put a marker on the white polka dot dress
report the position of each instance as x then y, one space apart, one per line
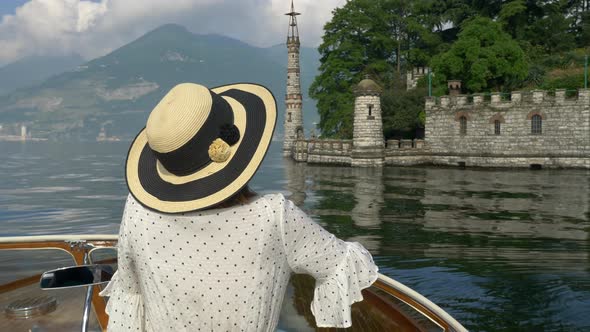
228 269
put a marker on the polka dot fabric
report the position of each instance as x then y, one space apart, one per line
228 269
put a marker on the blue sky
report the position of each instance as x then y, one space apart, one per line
95 28
8 6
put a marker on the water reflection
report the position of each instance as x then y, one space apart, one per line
521 204
514 244
368 195
321 190
500 250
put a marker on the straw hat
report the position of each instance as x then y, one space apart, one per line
200 146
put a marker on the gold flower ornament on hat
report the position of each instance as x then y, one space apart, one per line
219 151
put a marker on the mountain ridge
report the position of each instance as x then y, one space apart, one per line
34 69
117 91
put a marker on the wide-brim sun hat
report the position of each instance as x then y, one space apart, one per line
200 146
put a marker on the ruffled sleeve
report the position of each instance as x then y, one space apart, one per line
341 269
125 304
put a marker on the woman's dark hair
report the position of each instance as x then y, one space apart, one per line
241 197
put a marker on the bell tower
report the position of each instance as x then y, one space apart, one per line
293 101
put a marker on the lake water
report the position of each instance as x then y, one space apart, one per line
498 249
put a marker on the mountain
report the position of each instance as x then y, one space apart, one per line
117 91
34 69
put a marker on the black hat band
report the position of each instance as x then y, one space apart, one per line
193 155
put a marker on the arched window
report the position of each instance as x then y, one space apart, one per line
463 125
497 128
497 120
536 124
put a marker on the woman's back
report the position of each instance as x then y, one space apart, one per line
228 269
219 269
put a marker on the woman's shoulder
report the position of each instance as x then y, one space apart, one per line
134 211
275 200
274 197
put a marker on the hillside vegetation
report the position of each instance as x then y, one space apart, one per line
489 45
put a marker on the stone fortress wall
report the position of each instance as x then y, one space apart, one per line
499 132
403 152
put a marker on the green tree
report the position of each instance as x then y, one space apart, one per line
579 13
351 45
483 57
377 37
402 112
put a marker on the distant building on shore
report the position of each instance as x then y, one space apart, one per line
102 137
17 133
23 132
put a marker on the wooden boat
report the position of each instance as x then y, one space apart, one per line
387 306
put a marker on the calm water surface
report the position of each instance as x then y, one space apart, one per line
499 250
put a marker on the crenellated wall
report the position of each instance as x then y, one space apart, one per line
340 152
564 140
413 76
323 151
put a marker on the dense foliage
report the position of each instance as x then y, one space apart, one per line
495 45
483 57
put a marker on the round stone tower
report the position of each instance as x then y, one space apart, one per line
293 124
368 142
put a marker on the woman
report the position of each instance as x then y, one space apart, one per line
196 250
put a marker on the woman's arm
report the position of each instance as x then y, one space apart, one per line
125 305
341 269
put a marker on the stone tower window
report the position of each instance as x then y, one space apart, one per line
536 124
289 117
370 116
463 125
497 125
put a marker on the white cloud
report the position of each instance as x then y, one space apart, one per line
93 28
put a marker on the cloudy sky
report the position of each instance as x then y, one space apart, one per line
93 28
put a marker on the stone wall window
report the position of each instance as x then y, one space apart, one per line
289 117
497 120
463 125
536 125
370 116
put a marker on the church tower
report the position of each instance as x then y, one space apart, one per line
293 101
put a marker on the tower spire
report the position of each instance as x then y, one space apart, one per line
293 33
293 100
